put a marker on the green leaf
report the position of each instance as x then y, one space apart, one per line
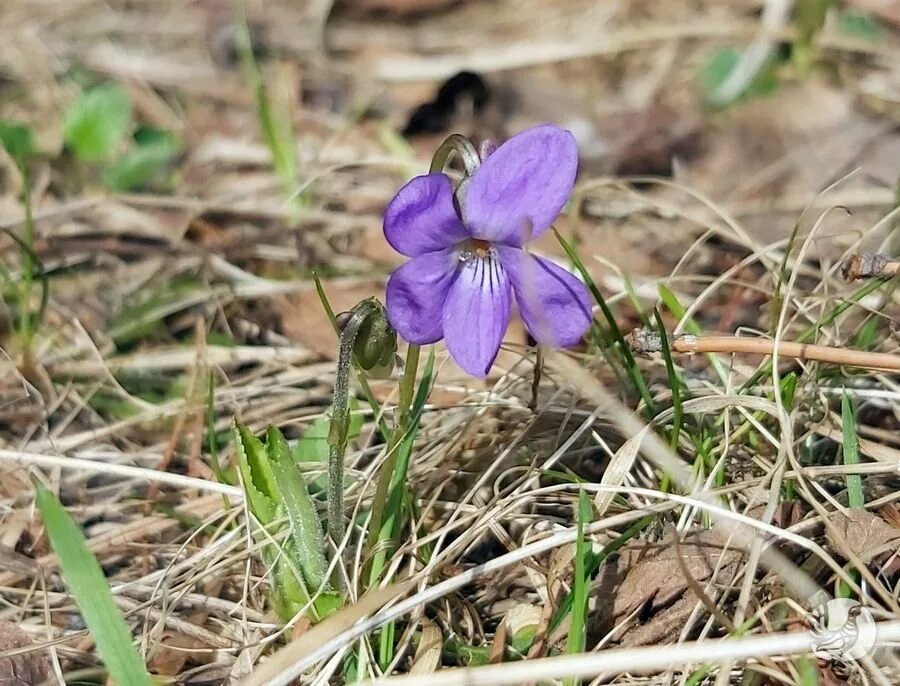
258 480
144 162
789 389
307 541
18 140
275 489
867 335
85 579
523 639
97 121
676 383
808 671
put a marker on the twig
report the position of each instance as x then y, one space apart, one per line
644 341
869 265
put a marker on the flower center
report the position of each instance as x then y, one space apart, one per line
474 249
480 247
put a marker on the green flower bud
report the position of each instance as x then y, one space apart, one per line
376 340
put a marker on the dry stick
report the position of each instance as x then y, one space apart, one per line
648 342
869 265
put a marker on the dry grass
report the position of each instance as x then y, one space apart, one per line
152 293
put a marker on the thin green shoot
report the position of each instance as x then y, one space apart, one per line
678 311
851 451
783 275
631 367
29 320
389 528
211 441
576 640
278 131
676 383
594 562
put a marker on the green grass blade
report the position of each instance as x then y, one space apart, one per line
393 509
810 332
211 442
851 451
581 583
677 309
277 131
88 586
675 381
630 365
596 560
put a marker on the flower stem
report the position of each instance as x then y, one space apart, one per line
383 428
340 423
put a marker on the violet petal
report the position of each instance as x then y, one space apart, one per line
421 218
554 304
416 293
476 314
517 192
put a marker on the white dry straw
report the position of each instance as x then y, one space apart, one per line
632 660
124 470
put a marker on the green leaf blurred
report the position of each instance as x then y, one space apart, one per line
138 167
860 25
97 121
719 68
88 585
18 140
143 315
313 446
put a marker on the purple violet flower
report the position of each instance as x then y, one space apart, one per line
467 264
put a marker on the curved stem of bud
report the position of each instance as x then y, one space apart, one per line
460 145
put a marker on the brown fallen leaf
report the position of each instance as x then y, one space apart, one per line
864 534
24 669
891 514
428 653
304 321
654 585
